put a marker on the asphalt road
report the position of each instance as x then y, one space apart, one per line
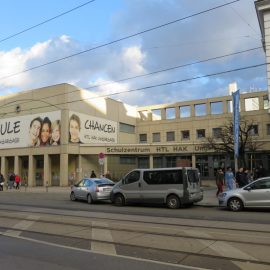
20 254
62 201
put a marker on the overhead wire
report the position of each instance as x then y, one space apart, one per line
118 40
160 71
46 21
150 87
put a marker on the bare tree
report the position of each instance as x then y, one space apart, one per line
223 141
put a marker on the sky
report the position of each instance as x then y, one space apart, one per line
105 69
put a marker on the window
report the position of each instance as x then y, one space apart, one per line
200 133
156 114
216 107
193 176
184 111
132 177
170 113
265 103
263 184
143 138
143 162
156 137
268 129
40 164
217 132
200 109
165 177
185 135
252 104
128 160
88 183
170 136
126 128
253 130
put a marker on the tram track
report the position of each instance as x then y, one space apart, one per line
28 234
176 233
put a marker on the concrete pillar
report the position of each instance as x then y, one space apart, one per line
151 162
177 112
224 106
79 168
4 167
193 161
208 108
47 170
16 165
163 114
64 170
192 110
105 165
31 171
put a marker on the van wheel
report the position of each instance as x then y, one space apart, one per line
119 200
89 199
173 202
235 204
72 196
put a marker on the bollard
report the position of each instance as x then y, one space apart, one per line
25 186
47 186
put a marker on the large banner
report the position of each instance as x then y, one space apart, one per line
85 128
34 130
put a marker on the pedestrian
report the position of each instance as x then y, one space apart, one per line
219 181
93 175
17 181
248 176
11 180
241 178
261 171
229 179
2 181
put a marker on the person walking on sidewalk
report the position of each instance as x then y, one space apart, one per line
219 181
2 181
17 181
229 179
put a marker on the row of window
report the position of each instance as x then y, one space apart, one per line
200 133
250 104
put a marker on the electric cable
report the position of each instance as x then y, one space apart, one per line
118 40
46 21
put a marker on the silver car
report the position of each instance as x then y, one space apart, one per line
255 194
92 189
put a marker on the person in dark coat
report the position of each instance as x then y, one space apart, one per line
241 178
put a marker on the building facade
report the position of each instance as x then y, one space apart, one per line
56 135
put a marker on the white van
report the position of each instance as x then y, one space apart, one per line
174 187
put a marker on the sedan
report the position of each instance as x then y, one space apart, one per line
255 194
92 189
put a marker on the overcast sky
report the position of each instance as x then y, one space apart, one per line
223 31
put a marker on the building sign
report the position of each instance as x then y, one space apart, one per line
159 149
85 128
34 130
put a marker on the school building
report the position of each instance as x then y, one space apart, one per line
84 127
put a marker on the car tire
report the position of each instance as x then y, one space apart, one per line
89 199
173 202
119 200
72 196
235 204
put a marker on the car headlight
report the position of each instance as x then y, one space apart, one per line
223 195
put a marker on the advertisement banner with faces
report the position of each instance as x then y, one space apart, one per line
35 130
86 129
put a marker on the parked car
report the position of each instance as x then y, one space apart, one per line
255 194
92 189
174 187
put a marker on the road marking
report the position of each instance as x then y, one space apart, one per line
21 226
102 235
181 266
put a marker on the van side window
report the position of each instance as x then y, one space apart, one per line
193 176
132 177
165 177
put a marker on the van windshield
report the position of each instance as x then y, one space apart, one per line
165 177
